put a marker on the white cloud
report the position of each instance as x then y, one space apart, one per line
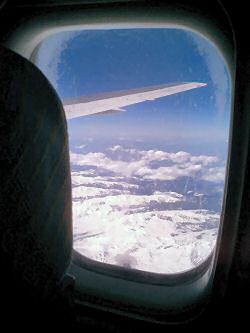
139 165
216 174
205 160
173 172
82 146
79 178
85 192
115 148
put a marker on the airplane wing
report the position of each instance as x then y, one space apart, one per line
114 101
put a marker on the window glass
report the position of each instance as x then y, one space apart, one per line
147 180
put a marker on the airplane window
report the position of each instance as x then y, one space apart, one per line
148 115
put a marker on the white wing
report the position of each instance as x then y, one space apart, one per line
115 101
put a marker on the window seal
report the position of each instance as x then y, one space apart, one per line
141 276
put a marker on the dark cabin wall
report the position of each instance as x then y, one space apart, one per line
19 304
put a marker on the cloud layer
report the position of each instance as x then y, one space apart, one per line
153 164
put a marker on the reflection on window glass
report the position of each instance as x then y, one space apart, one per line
148 182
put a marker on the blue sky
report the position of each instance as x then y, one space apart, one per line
88 62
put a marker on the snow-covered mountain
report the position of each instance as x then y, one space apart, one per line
126 213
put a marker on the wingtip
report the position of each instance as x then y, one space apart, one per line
202 84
